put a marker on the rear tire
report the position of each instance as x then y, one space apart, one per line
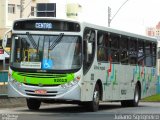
33 104
94 104
135 101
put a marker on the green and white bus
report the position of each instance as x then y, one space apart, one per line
54 60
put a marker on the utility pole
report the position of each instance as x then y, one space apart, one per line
109 13
21 7
109 16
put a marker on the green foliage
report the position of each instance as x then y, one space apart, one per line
153 98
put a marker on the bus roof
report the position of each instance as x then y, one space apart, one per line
97 27
120 32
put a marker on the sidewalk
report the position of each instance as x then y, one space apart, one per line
6 102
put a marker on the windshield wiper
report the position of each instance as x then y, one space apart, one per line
49 47
32 40
58 39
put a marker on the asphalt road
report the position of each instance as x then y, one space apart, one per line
108 111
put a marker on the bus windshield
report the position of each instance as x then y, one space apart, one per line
46 52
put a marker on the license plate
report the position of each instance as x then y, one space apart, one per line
40 91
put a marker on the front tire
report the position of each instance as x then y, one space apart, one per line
94 104
33 104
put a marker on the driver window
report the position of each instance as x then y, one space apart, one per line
89 48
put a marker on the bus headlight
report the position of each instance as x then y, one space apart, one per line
71 83
14 82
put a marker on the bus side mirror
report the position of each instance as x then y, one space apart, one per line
89 48
4 42
87 51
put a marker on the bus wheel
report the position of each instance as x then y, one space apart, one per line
33 104
135 101
94 104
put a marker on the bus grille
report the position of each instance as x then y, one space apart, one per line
45 85
42 75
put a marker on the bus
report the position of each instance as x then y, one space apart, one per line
62 60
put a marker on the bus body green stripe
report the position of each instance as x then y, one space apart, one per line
44 80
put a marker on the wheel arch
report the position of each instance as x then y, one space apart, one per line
99 82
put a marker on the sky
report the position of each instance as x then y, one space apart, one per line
135 15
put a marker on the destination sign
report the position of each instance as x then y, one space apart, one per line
46 25
43 25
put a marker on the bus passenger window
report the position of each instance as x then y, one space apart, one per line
102 50
124 50
148 54
133 51
141 52
154 47
114 44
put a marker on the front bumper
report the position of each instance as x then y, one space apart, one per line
54 92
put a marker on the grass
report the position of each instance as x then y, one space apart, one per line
153 98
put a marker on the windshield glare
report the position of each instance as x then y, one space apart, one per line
45 52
